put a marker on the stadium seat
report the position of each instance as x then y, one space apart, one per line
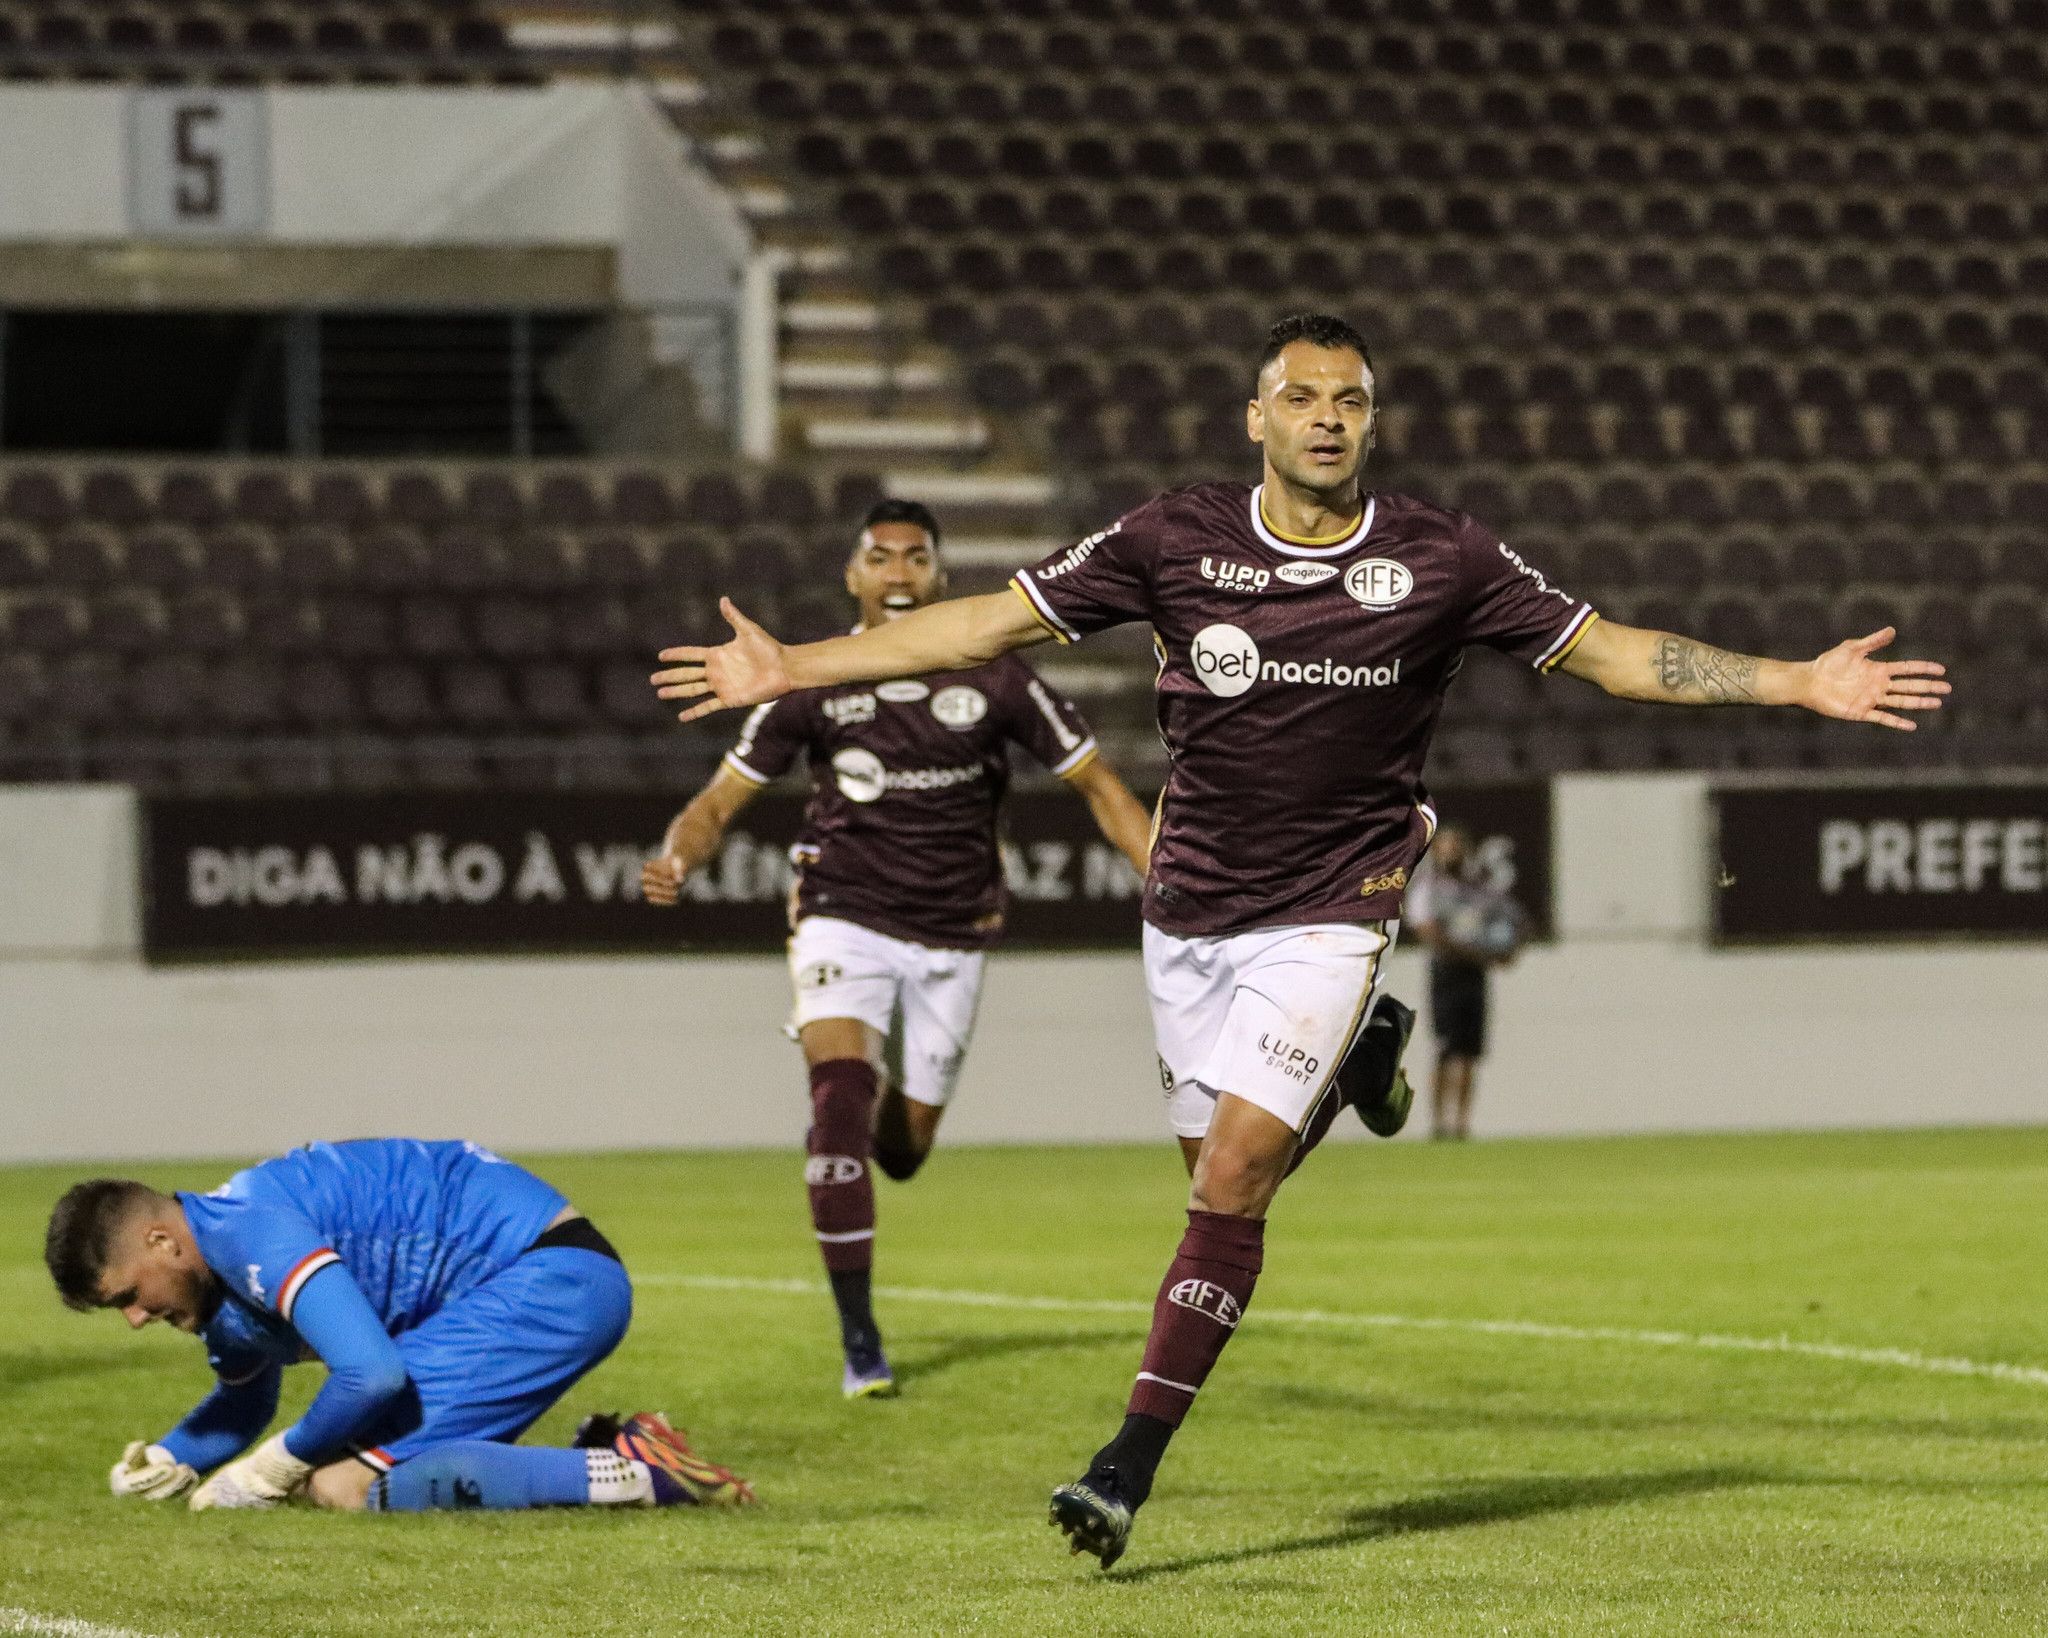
266 498
320 695
22 559
38 497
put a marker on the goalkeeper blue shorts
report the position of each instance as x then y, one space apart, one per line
489 1364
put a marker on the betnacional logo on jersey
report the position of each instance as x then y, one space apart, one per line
959 706
907 692
1227 661
862 778
1378 582
1305 574
1074 556
860 774
1207 1297
1225 658
847 709
1240 577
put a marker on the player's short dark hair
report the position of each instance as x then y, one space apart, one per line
1318 330
82 1227
903 511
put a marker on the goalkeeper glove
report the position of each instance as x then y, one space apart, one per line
265 1477
151 1472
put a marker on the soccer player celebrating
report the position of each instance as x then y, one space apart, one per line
1307 630
899 889
452 1296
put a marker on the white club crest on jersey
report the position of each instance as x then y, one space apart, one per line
959 706
1305 574
1378 582
860 775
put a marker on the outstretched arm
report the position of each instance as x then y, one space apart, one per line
694 834
754 667
1846 682
1117 813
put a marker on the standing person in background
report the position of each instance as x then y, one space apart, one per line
1470 927
899 890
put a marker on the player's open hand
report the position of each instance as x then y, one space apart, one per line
1848 682
748 670
661 879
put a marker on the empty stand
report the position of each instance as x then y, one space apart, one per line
263 627
230 42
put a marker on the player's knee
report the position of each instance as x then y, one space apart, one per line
609 1308
341 1487
1235 1179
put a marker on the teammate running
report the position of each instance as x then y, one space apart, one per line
1307 631
452 1296
899 890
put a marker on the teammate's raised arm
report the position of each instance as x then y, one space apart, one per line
694 834
754 667
1847 682
1123 822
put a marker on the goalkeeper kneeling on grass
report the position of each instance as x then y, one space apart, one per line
452 1296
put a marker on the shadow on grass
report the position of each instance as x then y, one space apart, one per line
977 1348
1481 1502
21 1372
1395 1408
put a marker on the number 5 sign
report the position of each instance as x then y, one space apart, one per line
198 162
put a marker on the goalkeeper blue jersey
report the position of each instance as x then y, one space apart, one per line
415 1224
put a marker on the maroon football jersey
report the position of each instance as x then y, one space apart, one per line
907 781
1299 684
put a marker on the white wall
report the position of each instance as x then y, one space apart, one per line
564 164
1629 1024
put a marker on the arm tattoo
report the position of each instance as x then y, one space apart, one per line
1692 673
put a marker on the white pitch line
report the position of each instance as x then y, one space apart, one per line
58 1626
2033 1376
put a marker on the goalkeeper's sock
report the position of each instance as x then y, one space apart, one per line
476 1473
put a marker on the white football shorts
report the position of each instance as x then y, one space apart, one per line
1265 1016
919 998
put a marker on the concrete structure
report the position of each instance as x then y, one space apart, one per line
1629 1023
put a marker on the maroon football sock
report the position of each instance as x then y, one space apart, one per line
836 1172
1204 1294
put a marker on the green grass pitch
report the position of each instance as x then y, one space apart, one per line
1336 1477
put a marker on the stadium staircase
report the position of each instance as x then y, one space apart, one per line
861 386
